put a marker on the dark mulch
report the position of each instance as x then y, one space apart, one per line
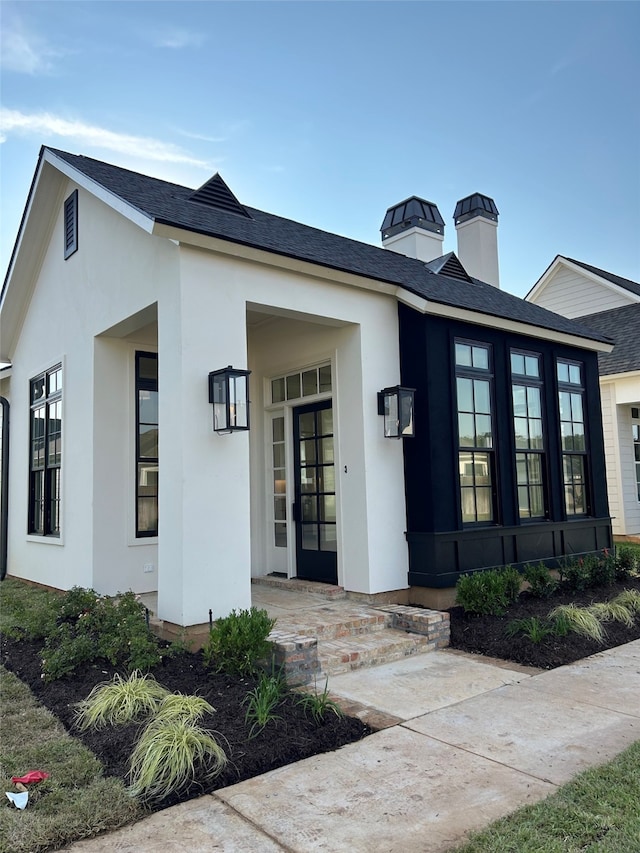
486 634
292 737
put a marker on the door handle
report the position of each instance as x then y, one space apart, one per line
294 511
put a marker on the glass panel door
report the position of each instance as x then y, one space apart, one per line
315 495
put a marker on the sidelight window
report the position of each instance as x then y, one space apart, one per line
146 444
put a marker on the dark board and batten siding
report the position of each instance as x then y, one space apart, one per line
440 546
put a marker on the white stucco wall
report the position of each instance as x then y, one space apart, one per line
92 313
117 271
358 332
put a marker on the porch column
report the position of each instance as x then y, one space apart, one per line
204 521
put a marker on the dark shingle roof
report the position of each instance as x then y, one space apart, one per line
622 325
170 204
626 283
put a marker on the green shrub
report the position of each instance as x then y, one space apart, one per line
263 700
532 627
120 701
238 642
489 592
168 756
320 704
626 562
90 627
602 569
576 574
541 582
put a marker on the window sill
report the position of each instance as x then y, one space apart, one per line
45 540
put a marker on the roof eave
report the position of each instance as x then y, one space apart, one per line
403 293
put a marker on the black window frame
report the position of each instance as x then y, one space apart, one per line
45 468
70 225
144 384
528 381
485 374
572 454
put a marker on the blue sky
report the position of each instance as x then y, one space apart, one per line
330 112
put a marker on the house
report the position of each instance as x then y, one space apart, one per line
404 422
610 305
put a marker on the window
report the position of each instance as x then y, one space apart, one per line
45 453
476 458
305 383
526 390
71 225
279 483
146 444
573 437
635 431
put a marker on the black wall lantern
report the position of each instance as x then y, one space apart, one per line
229 393
396 404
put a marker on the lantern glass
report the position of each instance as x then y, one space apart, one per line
229 394
396 405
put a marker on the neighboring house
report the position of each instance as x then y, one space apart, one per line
610 305
125 292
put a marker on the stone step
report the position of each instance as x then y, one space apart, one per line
337 621
335 656
325 590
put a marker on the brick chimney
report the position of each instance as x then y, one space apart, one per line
476 221
414 228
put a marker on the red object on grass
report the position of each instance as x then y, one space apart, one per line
30 777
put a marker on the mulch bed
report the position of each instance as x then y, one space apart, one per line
486 635
292 737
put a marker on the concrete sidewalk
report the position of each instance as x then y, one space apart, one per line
466 741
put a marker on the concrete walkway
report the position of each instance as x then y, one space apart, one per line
464 741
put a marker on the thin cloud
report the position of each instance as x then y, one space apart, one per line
46 124
25 52
178 39
200 136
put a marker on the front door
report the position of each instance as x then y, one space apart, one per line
315 493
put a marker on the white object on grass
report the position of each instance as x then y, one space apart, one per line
18 800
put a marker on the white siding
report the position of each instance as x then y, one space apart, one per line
631 504
610 430
574 295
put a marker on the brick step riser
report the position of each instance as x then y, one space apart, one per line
329 667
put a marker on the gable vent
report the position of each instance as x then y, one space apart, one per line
71 225
215 193
450 266
454 269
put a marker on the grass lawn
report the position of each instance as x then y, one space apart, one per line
77 801
598 812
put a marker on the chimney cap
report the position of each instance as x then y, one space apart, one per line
413 212
475 205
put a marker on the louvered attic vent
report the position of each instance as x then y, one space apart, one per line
450 266
215 193
71 225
